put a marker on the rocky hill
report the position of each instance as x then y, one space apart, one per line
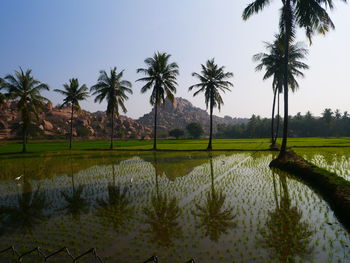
183 113
54 122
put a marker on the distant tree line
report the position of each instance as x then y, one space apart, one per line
330 124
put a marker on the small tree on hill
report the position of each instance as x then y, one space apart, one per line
195 130
177 133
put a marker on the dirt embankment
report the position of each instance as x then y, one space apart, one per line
334 189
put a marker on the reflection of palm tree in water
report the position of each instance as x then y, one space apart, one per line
214 218
162 216
284 231
27 212
76 203
116 209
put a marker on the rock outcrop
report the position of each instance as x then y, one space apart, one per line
183 113
55 121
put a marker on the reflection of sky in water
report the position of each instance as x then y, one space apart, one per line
233 208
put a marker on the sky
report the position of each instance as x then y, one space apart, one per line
63 39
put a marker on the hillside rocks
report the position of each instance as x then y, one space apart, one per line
55 121
181 114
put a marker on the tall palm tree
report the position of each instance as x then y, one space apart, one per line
214 217
212 81
161 78
112 88
73 94
26 89
311 15
273 62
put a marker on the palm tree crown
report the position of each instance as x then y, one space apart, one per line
161 78
26 89
112 88
73 93
212 82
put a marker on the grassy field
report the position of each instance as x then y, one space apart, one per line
7 147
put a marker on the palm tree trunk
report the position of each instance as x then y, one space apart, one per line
71 129
278 117
209 148
112 122
155 128
273 118
287 25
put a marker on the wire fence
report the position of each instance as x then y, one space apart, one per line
45 258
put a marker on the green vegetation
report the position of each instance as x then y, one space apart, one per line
161 78
310 16
26 89
7 147
274 66
195 130
113 89
177 133
73 94
212 82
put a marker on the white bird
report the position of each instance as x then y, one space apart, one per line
18 178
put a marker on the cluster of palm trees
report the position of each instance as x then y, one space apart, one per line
160 78
310 15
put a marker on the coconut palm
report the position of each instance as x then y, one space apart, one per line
112 88
73 94
212 81
162 215
116 209
311 15
26 89
285 232
273 62
161 79
215 219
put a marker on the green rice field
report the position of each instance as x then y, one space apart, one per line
130 205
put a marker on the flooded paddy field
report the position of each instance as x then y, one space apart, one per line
224 207
336 160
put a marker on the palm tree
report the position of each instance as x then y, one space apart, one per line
73 94
112 88
273 62
212 81
310 15
214 218
26 89
161 78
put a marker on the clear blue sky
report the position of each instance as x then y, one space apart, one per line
61 39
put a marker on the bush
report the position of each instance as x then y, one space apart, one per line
83 132
195 130
177 133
